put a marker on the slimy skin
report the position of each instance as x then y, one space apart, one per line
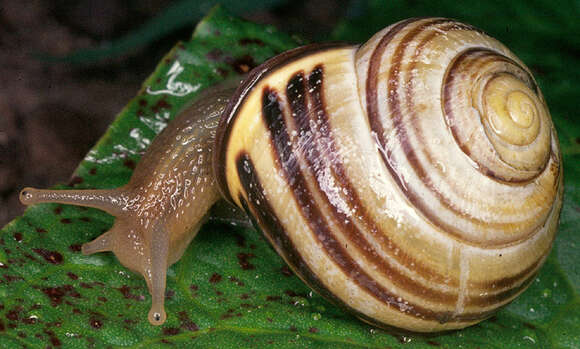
166 201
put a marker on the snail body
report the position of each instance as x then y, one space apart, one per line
415 180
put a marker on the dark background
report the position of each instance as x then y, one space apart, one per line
52 113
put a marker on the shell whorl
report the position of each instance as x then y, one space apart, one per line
414 180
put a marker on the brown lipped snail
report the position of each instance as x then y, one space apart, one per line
415 180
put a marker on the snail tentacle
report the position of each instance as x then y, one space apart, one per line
111 201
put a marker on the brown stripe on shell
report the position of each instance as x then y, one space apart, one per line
500 297
273 118
408 150
372 100
264 218
485 55
373 77
477 59
510 281
373 112
312 119
421 172
239 97
401 134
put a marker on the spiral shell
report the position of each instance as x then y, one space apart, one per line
415 180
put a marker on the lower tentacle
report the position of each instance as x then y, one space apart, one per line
101 244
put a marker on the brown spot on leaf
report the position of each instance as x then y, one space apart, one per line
53 338
85 219
313 330
50 256
248 306
433 343
95 323
14 314
273 298
169 294
129 164
243 260
236 281
171 331
58 210
126 292
291 293
65 221
215 278
29 256
75 248
228 314
18 236
72 276
57 294
161 104
40 230
93 171
75 180
186 323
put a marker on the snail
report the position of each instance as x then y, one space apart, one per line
414 180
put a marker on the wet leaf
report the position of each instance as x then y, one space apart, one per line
231 289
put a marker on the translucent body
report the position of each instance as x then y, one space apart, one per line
166 201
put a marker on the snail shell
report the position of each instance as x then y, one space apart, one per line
415 180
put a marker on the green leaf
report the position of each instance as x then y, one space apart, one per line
231 289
